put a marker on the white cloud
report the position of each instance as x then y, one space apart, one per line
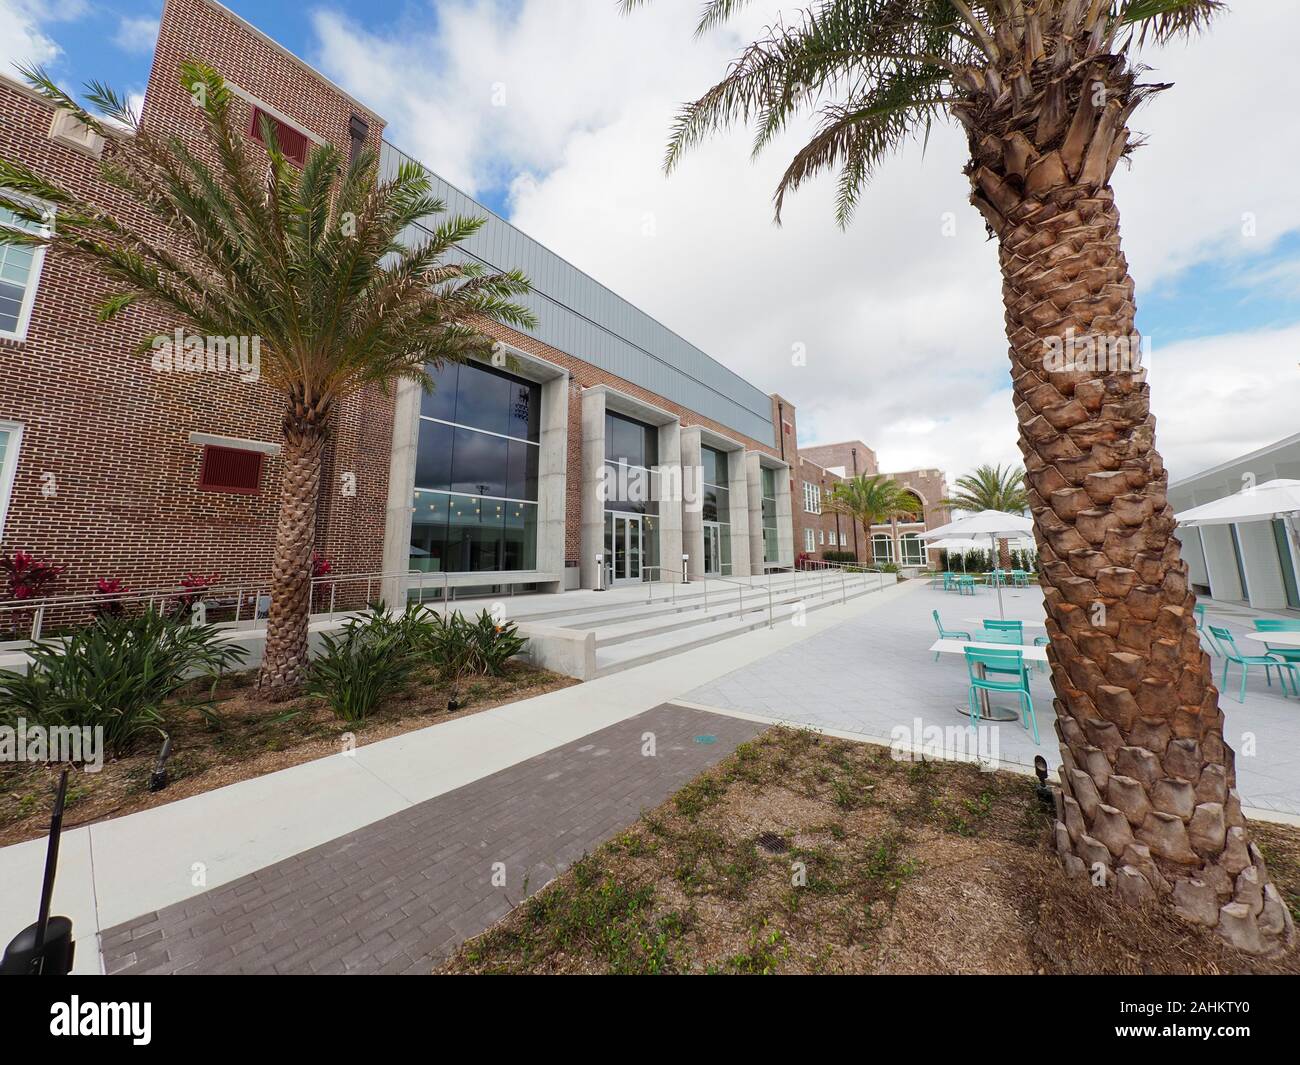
22 39
136 34
902 325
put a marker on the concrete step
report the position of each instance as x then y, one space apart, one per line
618 630
663 642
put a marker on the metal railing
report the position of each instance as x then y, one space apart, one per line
249 600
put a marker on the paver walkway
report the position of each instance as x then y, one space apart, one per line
399 894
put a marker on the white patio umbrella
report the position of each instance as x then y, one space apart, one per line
995 524
1264 502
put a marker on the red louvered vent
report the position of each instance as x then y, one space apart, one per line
230 469
292 143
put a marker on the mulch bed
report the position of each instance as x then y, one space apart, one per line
907 867
254 737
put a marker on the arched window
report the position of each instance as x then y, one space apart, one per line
912 550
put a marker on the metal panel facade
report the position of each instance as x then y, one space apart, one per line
582 317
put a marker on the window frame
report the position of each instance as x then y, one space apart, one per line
9 467
809 540
19 334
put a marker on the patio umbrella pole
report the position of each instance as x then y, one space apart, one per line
993 550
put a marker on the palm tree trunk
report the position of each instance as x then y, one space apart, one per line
1004 554
1148 801
284 663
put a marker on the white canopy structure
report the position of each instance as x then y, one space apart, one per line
1264 502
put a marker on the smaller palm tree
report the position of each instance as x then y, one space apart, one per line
316 263
992 488
872 500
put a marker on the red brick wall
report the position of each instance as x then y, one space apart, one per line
113 432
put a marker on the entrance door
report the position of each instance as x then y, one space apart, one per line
712 549
625 546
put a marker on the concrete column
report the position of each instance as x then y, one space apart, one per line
1263 567
552 470
593 465
693 512
1221 563
401 488
754 488
738 516
669 494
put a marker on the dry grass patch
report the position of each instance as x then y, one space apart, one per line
253 737
805 854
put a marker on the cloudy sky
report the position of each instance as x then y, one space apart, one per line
555 114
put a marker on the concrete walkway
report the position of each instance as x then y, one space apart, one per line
114 871
875 674
400 894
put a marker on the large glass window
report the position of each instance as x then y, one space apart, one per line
631 518
717 510
476 472
19 270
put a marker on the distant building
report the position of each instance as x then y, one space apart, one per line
1251 562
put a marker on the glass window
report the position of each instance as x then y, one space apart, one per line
478 465
10 432
474 534
769 483
483 399
912 550
525 419
521 470
882 548
433 456
630 441
520 536
441 402
429 532
19 270
809 540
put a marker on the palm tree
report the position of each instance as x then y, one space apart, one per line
992 488
313 263
1043 90
872 500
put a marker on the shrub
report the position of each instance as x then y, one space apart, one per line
493 645
115 674
27 575
370 659
839 556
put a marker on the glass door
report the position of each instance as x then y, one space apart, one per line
712 549
624 546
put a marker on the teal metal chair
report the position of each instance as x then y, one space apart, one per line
965 584
1002 627
944 634
1230 653
985 661
1207 641
1020 578
949 581
1289 655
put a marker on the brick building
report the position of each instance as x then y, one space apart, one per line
522 474
822 465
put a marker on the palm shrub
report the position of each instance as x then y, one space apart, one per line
367 662
115 673
318 263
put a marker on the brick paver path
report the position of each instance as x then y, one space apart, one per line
403 892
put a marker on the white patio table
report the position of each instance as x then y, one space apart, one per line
1282 639
987 712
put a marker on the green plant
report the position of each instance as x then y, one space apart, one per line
114 674
494 645
369 660
317 260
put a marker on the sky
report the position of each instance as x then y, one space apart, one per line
555 114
